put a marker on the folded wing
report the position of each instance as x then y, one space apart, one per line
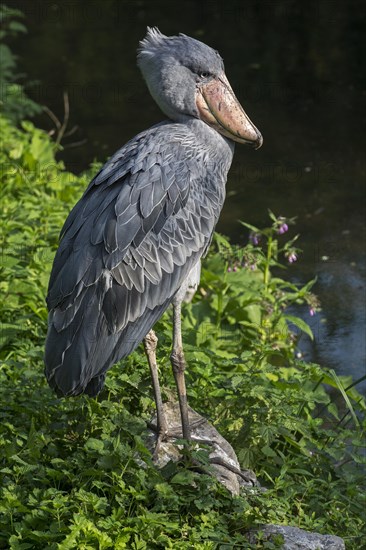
126 247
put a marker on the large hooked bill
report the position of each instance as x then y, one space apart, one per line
220 109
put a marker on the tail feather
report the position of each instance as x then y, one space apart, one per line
78 357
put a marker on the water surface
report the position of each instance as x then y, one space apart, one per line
296 68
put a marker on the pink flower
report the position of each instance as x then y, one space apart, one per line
292 257
282 229
312 312
254 238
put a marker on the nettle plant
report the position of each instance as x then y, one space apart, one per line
267 253
249 304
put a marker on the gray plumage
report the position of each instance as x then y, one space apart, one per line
141 227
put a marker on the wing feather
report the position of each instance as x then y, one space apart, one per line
142 224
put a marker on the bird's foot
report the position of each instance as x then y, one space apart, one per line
159 440
168 433
162 434
247 476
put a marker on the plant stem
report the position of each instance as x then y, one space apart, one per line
268 261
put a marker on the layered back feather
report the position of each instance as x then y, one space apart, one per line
143 223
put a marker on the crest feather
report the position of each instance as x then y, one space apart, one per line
153 39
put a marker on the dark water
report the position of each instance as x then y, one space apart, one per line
297 69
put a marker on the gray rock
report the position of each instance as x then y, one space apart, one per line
297 539
224 463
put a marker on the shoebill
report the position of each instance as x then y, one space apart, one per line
133 244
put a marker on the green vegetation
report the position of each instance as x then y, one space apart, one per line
13 98
75 473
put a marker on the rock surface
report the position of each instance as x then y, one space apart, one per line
297 539
225 465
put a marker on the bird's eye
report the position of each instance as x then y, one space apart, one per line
204 75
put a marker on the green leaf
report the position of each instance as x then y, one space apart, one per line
94 444
302 325
16 27
338 384
183 478
266 450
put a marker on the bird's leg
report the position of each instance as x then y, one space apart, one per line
179 365
150 343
